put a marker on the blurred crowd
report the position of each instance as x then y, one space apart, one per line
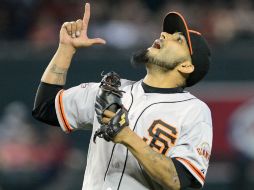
33 157
124 23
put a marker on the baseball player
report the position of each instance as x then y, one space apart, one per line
147 134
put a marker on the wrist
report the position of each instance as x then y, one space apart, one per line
66 49
124 136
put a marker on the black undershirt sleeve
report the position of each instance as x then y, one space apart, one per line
44 103
185 177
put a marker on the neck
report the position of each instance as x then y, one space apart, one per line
160 78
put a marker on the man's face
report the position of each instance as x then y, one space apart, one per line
168 51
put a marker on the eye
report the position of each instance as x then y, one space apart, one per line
179 38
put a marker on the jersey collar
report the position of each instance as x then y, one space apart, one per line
150 89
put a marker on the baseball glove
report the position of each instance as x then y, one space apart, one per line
109 98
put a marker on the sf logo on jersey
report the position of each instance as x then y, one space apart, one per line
161 136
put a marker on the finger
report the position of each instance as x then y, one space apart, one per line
96 41
67 26
86 16
108 114
79 24
105 120
73 29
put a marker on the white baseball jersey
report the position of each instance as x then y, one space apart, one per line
175 124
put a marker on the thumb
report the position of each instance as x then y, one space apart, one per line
96 41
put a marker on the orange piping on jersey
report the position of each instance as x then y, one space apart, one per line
193 168
196 32
186 26
60 103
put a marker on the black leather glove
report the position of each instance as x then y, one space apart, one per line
108 98
116 124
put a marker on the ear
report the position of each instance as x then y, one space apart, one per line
185 67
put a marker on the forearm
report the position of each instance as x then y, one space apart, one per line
54 77
57 69
158 166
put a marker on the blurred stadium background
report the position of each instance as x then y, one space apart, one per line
36 156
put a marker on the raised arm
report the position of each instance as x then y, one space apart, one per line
73 35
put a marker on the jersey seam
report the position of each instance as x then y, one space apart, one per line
158 103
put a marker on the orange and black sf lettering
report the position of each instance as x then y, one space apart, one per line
162 136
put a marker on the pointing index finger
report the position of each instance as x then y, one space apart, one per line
86 15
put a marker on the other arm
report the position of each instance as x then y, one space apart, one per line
158 166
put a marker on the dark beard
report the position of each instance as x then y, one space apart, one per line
140 58
165 66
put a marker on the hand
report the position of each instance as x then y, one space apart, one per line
74 34
107 116
122 130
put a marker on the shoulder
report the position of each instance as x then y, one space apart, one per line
201 105
197 103
199 111
127 84
89 85
82 89
94 86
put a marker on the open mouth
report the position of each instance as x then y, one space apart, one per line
157 44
